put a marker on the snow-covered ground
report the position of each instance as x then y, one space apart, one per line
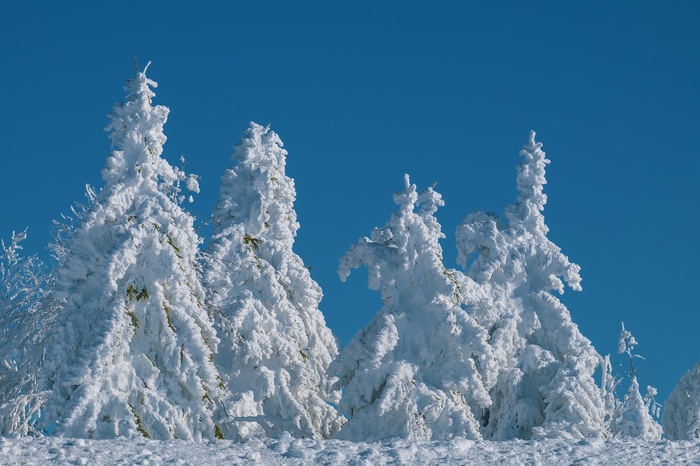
29 451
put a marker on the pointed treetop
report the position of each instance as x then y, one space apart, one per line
407 197
257 136
426 202
139 87
531 172
525 232
429 201
256 192
136 65
413 224
531 180
136 131
626 342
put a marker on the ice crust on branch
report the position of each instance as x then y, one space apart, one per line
132 349
545 385
275 347
416 370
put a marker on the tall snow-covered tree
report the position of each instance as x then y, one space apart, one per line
634 415
681 417
545 382
415 371
275 347
26 314
132 347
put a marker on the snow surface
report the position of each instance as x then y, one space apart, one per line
287 450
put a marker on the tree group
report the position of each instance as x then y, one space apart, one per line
138 331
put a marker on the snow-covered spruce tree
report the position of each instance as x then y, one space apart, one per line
545 365
634 415
415 371
132 348
275 346
25 319
681 417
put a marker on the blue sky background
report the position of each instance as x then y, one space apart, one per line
362 92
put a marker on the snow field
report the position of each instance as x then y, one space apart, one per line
290 451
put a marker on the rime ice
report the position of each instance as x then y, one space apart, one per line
275 348
415 370
544 377
132 347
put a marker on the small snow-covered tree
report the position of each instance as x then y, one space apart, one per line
608 386
275 347
26 314
681 417
545 368
634 415
132 347
415 371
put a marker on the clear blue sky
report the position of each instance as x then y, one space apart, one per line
362 92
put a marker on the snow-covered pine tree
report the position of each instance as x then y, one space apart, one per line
681 417
634 414
275 346
415 371
545 373
26 315
131 352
